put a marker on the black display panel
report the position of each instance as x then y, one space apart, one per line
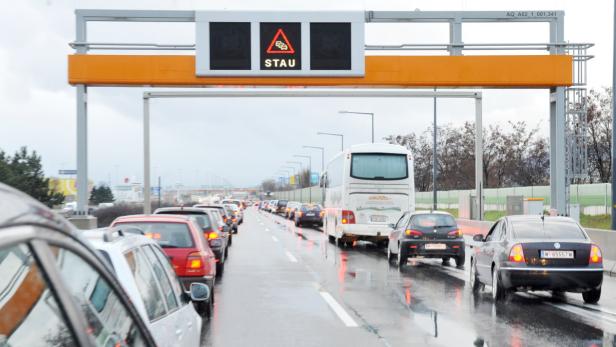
230 46
330 46
281 46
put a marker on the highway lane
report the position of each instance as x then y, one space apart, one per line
288 286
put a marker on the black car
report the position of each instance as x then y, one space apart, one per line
309 214
44 265
426 234
537 253
216 238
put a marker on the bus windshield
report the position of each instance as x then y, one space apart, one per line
379 166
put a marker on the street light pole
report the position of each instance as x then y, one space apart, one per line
299 177
614 124
371 114
339 135
434 189
322 149
309 175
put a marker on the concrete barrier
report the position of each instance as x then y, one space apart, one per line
605 239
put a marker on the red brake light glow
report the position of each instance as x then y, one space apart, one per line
595 255
516 254
455 233
348 217
212 235
414 233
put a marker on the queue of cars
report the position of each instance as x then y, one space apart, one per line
519 253
147 280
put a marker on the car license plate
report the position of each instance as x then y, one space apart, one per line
557 254
309 214
432 246
378 219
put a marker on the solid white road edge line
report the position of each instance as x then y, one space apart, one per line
340 312
290 256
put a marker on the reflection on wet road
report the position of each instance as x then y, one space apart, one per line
288 286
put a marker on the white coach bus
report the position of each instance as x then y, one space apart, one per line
367 187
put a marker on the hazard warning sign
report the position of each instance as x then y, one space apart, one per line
280 46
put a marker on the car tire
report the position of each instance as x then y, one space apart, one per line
460 259
298 224
220 268
230 240
402 259
391 257
592 296
499 293
476 285
331 238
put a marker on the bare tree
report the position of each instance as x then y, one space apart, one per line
600 135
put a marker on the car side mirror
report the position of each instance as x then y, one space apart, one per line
391 225
478 238
199 292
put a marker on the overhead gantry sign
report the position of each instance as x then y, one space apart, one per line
327 49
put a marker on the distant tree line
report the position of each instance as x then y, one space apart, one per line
101 194
274 185
515 155
24 171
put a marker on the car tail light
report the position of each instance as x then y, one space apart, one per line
194 261
516 254
221 228
348 217
322 213
234 220
455 233
299 214
212 235
413 233
595 255
155 236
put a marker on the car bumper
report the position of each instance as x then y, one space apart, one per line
566 279
315 220
186 281
418 248
366 231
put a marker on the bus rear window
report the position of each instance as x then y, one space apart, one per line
379 166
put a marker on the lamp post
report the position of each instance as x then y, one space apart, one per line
371 114
292 168
299 177
309 174
332 134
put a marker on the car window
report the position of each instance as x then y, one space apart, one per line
162 277
398 223
432 220
108 320
29 313
202 218
548 229
404 221
173 235
146 284
175 282
493 231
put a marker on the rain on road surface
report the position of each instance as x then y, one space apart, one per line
288 286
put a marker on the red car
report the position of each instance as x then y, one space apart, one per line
183 242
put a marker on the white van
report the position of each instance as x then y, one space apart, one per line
367 187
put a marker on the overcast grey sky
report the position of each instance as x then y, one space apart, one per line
244 141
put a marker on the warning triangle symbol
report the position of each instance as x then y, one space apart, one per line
280 44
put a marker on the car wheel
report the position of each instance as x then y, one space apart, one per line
498 292
220 268
592 296
230 240
402 259
391 257
460 259
474 279
331 238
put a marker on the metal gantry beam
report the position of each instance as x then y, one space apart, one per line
321 93
455 46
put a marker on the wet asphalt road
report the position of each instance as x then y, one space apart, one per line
288 286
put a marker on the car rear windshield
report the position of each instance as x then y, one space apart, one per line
379 166
536 229
200 217
432 221
307 207
168 235
282 203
